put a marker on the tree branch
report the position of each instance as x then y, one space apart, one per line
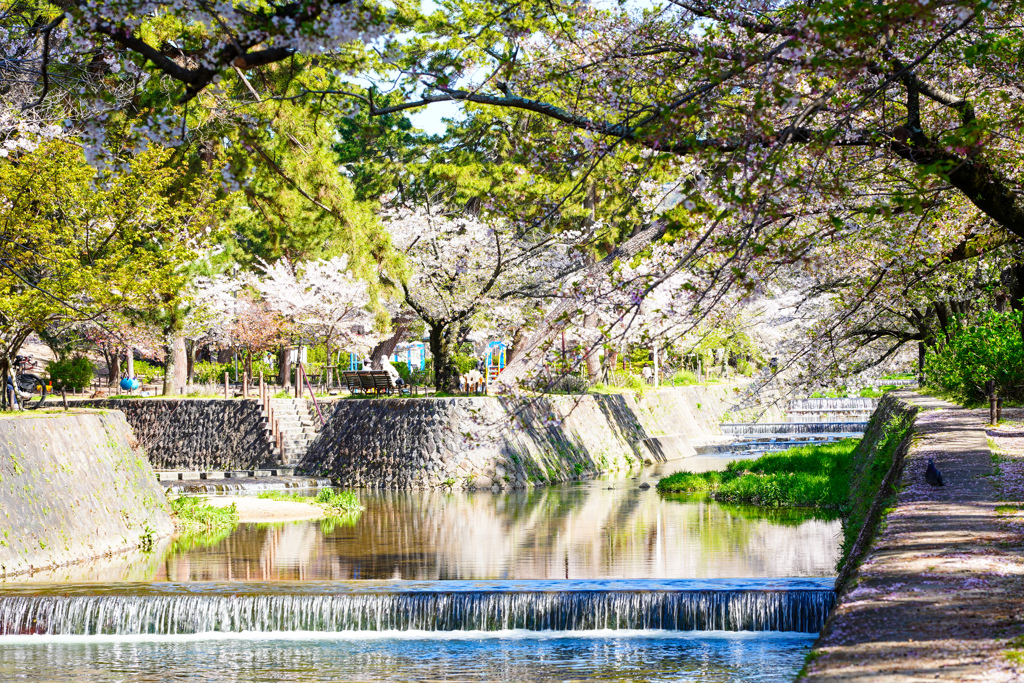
43 69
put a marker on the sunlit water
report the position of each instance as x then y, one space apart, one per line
596 530
461 656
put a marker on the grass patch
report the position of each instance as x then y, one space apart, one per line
195 515
334 503
806 476
691 482
1007 510
1015 654
872 461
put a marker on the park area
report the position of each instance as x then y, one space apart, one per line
545 340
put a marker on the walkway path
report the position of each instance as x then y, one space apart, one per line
941 594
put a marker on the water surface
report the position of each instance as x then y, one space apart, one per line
597 531
459 656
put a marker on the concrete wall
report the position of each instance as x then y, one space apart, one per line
487 442
196 433
73 486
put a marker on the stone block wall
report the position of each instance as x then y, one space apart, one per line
196 434
74 486
500 443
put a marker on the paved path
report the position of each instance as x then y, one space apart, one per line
942 591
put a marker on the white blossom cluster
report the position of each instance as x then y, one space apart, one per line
464 266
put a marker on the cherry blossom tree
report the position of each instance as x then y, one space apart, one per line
322 300
256 327
792 126
464 266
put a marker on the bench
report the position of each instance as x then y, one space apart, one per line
352 383
376 381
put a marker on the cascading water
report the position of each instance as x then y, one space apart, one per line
781 428
833 404
795 605
252 487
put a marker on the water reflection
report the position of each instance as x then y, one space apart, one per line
589 530
594 530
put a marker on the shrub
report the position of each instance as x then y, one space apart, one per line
627 380
205 372
147 371
209 373
744 367
417 376
990 349
569 384
464 362
195 515
684 378
71 373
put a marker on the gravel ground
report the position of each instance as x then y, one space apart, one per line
940 595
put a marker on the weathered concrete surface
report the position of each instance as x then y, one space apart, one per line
196 433
940 592
488 442
73 487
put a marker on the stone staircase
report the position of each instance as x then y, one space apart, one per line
297 424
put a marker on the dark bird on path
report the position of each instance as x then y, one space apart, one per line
932 474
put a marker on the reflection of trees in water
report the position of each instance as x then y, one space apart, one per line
582 531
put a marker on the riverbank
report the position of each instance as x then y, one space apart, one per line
253 509
74 486
937 595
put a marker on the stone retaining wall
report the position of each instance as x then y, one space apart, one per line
195 433
488 442
73 487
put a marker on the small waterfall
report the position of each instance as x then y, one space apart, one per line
253 487
833 404
784 428
188 612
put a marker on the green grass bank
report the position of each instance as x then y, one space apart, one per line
852 479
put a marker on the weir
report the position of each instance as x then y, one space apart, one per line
792 428
797 605
247 486
833 404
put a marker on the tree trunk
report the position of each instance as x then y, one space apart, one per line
113 365
387 347
611 356
5 373
442 347
283 374
129 361
920 362
517 342
174 374
190 361
591 349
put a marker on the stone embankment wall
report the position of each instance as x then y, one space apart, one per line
488 442
197 434
73 487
